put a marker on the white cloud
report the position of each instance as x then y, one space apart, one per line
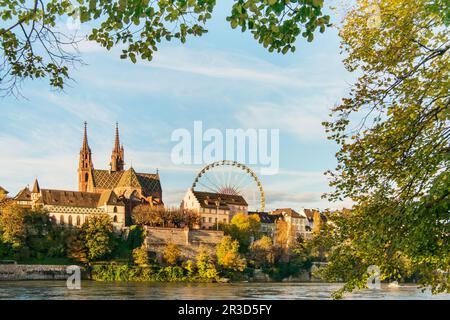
293 119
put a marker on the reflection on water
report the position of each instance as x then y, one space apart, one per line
57 290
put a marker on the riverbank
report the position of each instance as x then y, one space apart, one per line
124 273
23 272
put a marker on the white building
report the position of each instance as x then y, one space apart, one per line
214 208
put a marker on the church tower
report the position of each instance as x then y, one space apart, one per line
85 165
117 156
36 192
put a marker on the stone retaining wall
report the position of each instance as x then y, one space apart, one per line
33 272
190 242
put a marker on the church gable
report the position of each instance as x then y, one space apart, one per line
23 195
109 198
129 180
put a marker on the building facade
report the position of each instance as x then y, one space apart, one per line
315 219
214 208
268 222
73 208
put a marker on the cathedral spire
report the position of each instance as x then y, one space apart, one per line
117 156
117 142
85 165
85 146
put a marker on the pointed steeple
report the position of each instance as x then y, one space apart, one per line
117 142
85 165
117 156
85 145
36 188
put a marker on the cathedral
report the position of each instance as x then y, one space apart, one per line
114 192
128 184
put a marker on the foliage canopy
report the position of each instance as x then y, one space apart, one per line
35 46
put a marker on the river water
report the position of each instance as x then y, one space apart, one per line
57 290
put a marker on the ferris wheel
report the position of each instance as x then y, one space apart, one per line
232 178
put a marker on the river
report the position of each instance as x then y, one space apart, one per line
57 290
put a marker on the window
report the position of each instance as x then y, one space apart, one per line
86 220
115 218
78 220
115 210
210 220
204 219
224 220
61 220
86 177
70 220
215 220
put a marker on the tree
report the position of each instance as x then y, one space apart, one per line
98 237
206 267
191 218
37 222
12 225
5 249
228 255
34 47
171 254
76 247
164 217
140 255
30 233
148 215
284 234
262 252
244 228
3 194
394 157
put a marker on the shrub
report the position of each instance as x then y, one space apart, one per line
171 254
228 255
206 268
140 255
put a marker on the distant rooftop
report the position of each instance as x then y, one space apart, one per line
208 200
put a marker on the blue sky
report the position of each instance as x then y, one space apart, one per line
225 79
